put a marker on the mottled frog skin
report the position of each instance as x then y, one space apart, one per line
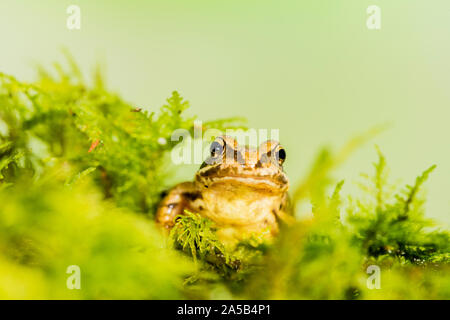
243 190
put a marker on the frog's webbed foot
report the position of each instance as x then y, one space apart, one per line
174 203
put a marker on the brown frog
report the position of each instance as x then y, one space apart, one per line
243 190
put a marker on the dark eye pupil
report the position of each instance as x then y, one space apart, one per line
216 149
282 154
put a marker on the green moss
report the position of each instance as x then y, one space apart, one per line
196 237
81 171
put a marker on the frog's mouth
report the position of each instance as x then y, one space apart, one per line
276 182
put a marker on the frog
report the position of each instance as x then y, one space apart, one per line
243 190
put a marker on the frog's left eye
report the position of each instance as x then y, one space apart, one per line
280 155
216 149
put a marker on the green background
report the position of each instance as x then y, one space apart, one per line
309 68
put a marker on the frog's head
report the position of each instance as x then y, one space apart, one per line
230 164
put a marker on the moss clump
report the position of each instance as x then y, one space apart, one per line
196 237
334 249
81 171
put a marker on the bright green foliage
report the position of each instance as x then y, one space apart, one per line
46 227
81 172
396 226
194 235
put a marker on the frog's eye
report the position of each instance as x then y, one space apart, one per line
280 155
216 149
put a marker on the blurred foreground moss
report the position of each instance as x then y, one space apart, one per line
81 172
46 227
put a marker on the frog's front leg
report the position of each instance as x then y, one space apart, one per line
182 197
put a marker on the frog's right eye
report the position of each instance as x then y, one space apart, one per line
280 155
216 149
